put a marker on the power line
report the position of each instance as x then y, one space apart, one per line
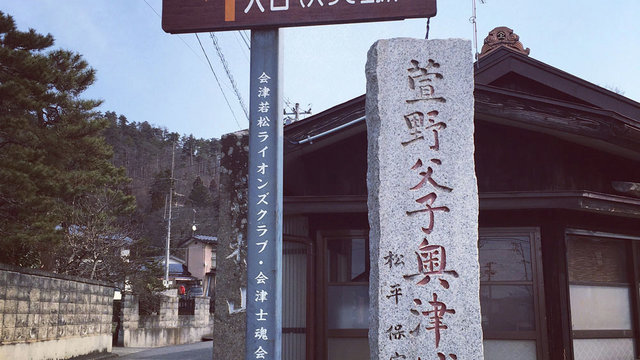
217 81
241 43
245 38
226 69
179 37
154 10
210 66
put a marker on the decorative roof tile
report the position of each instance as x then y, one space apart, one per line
503 36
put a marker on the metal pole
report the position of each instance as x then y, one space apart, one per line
166 260
264 248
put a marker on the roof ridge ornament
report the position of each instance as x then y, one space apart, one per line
502 36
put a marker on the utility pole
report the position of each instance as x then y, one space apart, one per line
193 226
473 20
166 260
295 111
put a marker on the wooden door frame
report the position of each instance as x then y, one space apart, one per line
539 308
322 334
632 246
310 299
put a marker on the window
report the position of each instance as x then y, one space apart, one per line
511 293
346 272
601 296
295 264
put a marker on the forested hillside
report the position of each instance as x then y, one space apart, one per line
145 151
83 192
79 187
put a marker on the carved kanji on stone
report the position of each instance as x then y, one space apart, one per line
428 202
396 332
417 125
432 260
393 259
423 200
435 315
422 81
442 356
427 176
395 292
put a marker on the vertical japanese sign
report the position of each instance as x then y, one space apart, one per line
423 202
264 246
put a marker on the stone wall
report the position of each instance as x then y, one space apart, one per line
50 316
231 279
167 327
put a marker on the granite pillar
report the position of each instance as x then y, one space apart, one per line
423 201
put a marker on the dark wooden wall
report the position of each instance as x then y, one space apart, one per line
512 159
507 159
514 81
339 169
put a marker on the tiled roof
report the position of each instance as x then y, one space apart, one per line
206 238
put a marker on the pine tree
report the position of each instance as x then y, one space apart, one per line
200 194
160 189
52 154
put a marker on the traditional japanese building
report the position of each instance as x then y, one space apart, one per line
558 171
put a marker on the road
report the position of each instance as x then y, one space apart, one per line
198 351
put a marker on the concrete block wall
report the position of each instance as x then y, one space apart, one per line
51 316
167 327
130 312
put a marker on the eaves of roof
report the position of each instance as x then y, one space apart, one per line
503 61
583 201
611 123
602 129
202 238
324 121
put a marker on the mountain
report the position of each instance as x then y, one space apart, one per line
145 151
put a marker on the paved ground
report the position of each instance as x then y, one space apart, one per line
198 351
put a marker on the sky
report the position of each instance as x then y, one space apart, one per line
149 75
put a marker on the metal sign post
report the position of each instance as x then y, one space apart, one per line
264 246
264 17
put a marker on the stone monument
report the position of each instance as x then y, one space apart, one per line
423 201
229 331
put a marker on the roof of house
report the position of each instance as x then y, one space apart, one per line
513 89
172 260
206 239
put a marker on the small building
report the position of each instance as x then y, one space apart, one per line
201 259
558 171
179 273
